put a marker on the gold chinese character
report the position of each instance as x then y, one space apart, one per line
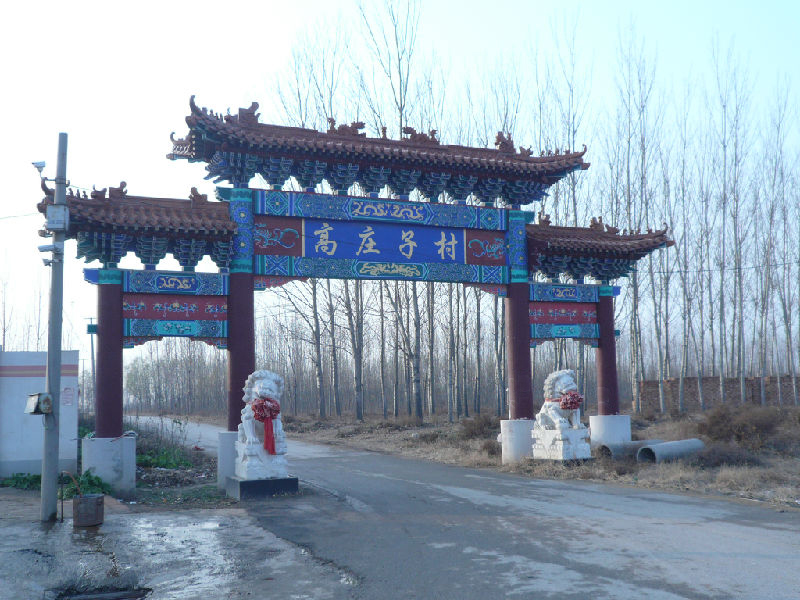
367 243
445 247
324 243
408 245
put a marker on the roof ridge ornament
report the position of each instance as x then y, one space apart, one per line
48 191
198 198
504 143
248 117
353 130
420 138
118 192
544 219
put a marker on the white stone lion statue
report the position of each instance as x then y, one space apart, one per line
260 456
558 433
552 416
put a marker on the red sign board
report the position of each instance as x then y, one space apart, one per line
176 307
278 236
563 313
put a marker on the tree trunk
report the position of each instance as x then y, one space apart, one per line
382 318
478 365
451 356
337 402
431 344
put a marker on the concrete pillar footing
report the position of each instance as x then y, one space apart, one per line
610 429
515 439
226 457
114 461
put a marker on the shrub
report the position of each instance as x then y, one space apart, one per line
87 482
481 426
750 427
720 454
22 481
492 447
428 437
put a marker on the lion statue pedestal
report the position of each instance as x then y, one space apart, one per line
260 466
558 433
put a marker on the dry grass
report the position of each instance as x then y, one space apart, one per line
750 452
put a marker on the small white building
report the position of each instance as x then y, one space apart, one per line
22 435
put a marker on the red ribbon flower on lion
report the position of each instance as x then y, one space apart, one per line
265 409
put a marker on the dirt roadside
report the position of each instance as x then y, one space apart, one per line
761 463
751 453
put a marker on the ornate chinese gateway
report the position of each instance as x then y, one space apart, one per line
470 223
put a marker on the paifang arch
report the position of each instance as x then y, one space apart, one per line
261 238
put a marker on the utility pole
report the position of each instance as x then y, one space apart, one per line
57 223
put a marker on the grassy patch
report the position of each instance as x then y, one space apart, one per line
166 458
751 427
719 454
480 427
22 481
196 496
88 484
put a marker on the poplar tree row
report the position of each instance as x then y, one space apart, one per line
705 156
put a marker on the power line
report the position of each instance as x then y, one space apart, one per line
717 270
18 216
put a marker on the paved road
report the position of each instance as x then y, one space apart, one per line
416 529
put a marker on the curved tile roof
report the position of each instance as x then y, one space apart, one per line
139 215
210 132
597 240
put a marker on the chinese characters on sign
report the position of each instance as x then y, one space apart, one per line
563 311
331 247
386 242
408 245
175 308
324 243
447 249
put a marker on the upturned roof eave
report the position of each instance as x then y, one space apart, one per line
249 136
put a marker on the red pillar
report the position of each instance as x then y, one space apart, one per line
606 358
518 351
108 395
241 342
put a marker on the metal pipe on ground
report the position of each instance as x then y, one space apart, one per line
656 453
623 450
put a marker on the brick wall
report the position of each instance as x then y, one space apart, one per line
650 401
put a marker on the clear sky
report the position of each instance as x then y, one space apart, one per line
117 77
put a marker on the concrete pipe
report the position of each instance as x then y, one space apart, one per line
656 453
621 450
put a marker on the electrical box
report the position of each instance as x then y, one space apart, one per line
39 404
57 217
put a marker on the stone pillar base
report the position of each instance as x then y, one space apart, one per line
610 429
114 461
561 444
515 439
253 462
253 489
226 457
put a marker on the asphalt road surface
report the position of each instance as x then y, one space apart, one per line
403 528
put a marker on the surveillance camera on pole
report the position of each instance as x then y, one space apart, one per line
57 248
